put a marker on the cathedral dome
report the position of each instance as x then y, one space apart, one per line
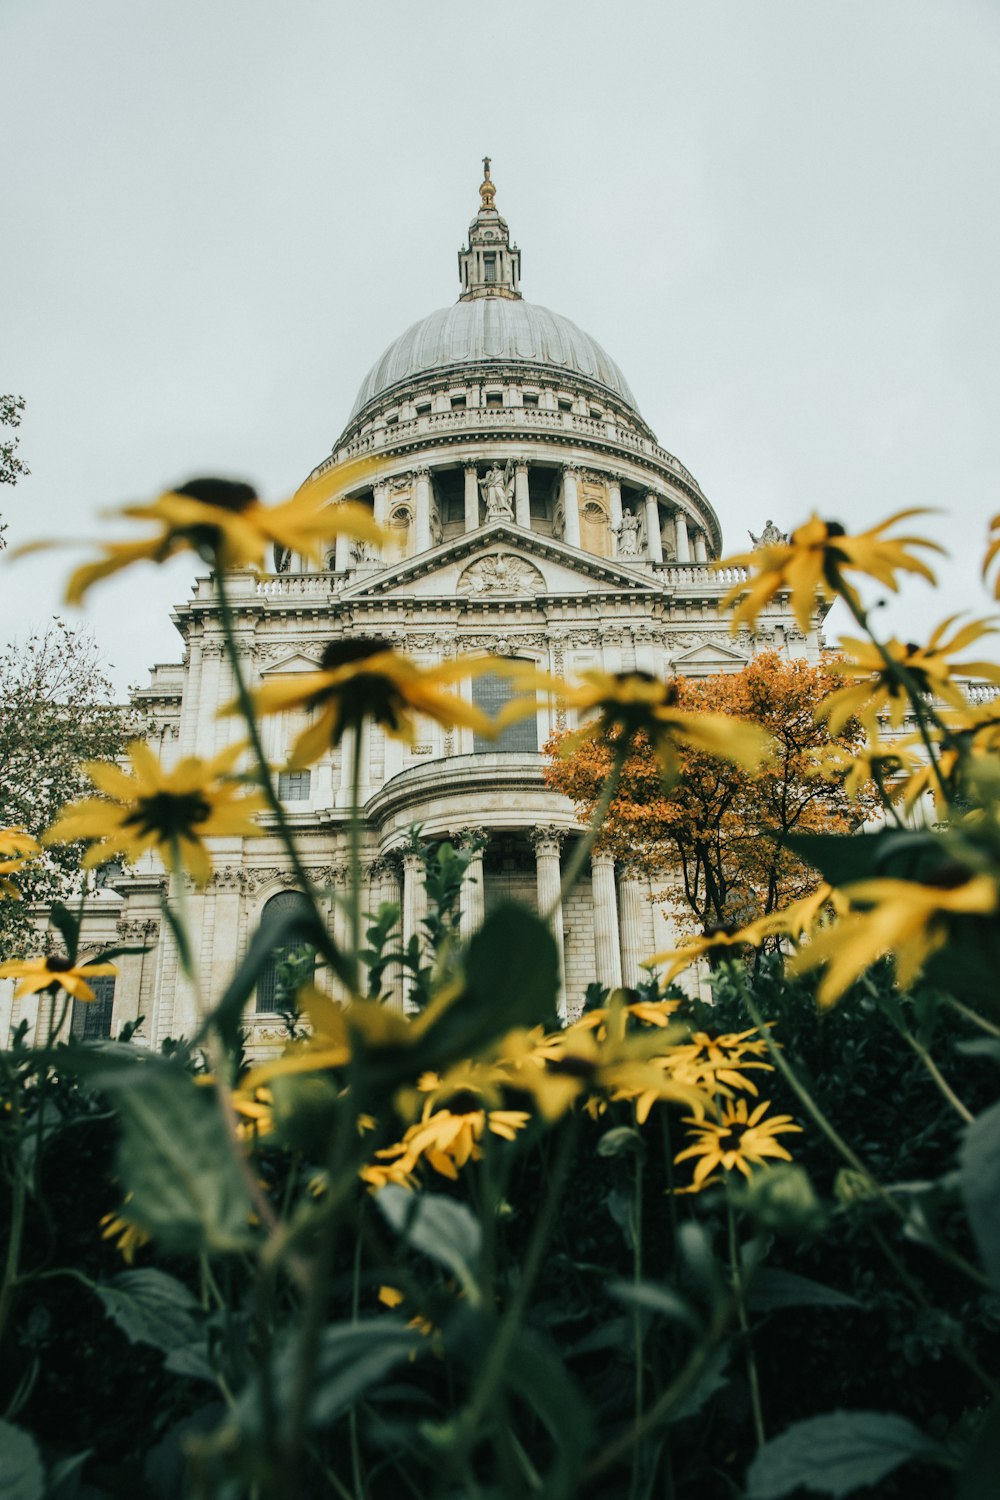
493 330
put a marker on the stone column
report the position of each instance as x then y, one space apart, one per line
473 902
471 497
630 909
700 547
549 878
681 532
414 904
615 508
380 509
607 946
422 510
344 560
388 868
522 504
654 543
571 506
345 793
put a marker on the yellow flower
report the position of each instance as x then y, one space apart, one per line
557 1070
695 947
228 526
448 1138
713 1060
17 846
367 679
739 1140
878 691
814 560
881 761
54 971
149 807
625 704
901 917
992 552
128 1236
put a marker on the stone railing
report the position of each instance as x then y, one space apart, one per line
527 418
699 575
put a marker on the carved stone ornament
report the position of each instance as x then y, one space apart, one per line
228 878
501 573
769 537
137 932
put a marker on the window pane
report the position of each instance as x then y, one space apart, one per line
288 965
293 786
91 1020
490 692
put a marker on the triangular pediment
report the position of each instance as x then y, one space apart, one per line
709 656
499 561
291 661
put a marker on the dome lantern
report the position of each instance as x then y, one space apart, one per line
489 266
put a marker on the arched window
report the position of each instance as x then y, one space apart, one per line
290 964
490 692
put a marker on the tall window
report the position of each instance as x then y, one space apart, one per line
91 1019
289 964
293 786
490 692
489 268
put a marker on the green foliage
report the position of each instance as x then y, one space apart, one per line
836 1454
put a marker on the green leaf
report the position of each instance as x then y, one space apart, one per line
352 1358
978 1478
536 1375
658 1298
64 1477
842 857
979 1162
280 929
174 1158
512 977
713 1377
438 1227
180 938
67 926
21 1475
151 1307
771 1289
620 1141
835 1454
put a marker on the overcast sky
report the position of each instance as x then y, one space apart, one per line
781 218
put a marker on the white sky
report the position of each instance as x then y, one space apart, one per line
781 217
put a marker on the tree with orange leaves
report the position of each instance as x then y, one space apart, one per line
720 829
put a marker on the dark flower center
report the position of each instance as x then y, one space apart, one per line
342 653
58 963
227 494
834 528
948 876
571 1067
169 814
730 1140
464 1102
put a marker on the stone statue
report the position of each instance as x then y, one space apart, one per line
628 543
769 536
497 490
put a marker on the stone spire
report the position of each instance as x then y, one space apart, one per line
489 266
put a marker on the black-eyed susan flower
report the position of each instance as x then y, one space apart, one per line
814 561
887 763
448 1134
16 847
54 971
367 679
621 705
711 1061
150 807
740 1140
904 918
226 524
878 690
705 945
128 1237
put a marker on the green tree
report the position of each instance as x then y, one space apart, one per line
11 467
57 709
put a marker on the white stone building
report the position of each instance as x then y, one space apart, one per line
532 514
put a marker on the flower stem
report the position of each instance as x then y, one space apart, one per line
739 1295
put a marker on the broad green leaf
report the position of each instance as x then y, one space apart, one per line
352 1358
979 1161
438 1227
658 1298
771 1288
836 1454
21 1475
842 857
536 1375
278 930
151 1307
64 1476
713 1377
175 1160
180 938
512 975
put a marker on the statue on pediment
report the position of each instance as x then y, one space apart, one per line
769 537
